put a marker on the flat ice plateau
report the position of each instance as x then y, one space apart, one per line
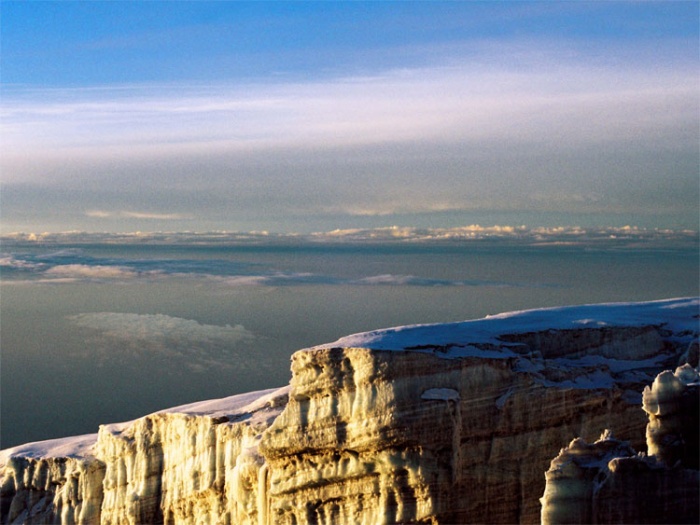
440 423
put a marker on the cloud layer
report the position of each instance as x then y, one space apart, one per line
612 236
210 259
497 127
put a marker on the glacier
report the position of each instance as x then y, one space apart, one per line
439 423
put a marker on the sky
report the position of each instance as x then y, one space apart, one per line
312 116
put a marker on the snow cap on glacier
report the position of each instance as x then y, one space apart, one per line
678 315
83 446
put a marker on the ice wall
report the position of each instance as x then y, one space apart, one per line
609 482
425 424
375 436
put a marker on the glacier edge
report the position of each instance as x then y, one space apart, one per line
452 423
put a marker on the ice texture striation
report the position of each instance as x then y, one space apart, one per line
450 423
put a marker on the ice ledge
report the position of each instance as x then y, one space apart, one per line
494 335
241 407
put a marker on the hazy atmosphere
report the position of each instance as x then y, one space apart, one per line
311 116
349 262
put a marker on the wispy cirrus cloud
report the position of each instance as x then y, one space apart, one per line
442 113
532 97
520 128
561 137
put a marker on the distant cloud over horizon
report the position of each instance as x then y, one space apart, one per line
63 262
404 234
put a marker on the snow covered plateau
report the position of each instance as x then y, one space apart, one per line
444 423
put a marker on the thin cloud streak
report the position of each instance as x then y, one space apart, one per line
101 214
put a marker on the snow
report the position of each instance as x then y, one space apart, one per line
230 406
82 446
678 315
614 365
71 447
442 394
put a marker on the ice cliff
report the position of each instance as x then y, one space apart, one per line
449 423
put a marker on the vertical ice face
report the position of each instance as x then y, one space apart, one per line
360 440
396 436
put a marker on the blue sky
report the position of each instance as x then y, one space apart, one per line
311 116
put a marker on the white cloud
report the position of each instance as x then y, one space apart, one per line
387 279
84 271
401 234
11 262
101 214
127 335
150 326
245 280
